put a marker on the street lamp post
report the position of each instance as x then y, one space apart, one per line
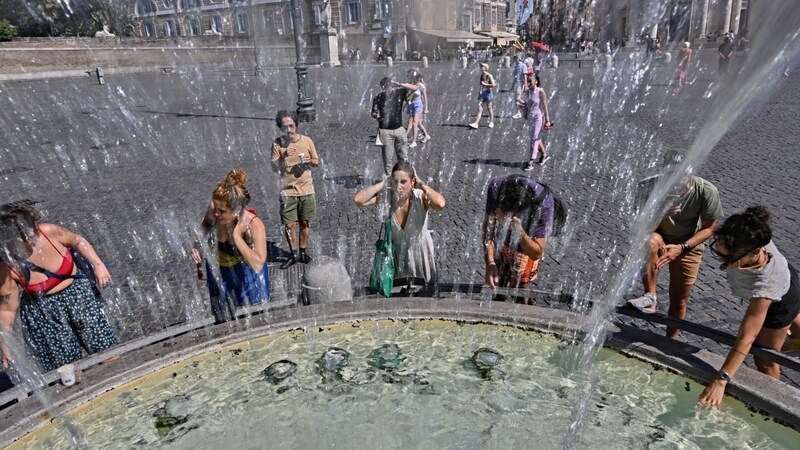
256 50
305 105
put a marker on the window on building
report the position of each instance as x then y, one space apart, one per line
268 20
317 15
186 4
193 26
149 29
169 28
466 22
487 16
494 18
288 20
216 24
353 12
146 7
477 16
241 22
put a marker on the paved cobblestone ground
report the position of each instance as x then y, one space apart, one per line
131 165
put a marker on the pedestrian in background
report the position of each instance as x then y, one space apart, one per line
725 53
293 156
518 85
535 103
683 66
485 96
387 109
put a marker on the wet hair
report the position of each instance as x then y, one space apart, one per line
385 81
404 166
516 195
17 223
536 77
284 113
414 73
748 230
232 190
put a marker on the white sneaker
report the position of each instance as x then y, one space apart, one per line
544 160
412 145
426 138
474 125
528 166
517 116
491 124
647 301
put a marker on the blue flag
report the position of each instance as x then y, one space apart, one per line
524 10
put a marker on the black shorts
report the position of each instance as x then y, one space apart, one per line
781 314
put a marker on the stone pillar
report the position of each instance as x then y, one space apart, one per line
425 62
329 48
737 14
704 19
726 21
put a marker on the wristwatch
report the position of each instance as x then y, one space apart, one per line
724 375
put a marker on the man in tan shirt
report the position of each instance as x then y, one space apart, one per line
293 156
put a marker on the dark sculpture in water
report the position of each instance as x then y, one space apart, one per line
486 361
276 372
172 412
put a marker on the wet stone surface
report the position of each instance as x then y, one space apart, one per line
131 166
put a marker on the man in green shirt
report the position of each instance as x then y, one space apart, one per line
678 242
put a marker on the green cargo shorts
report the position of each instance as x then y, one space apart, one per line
298 208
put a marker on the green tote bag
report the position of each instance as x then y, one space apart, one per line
382 277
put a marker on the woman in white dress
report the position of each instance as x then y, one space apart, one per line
409 201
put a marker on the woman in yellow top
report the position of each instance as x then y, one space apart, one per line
243 276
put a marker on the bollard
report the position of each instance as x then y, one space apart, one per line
554 61
389 61
608 60
508 62
667 57
326 280
464 62
425 62
100 77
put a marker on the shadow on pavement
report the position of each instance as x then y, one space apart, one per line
493 162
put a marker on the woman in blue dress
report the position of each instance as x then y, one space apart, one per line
242 276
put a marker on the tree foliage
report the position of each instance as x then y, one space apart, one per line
7 31
66 17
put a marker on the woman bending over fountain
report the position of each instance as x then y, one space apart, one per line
243 276
59 308
759 274
409 202
521 214
534 97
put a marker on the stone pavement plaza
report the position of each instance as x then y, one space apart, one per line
131 165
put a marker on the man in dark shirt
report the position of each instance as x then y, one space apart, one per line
387 109
725 53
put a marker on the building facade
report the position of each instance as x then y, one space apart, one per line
366 25
670 20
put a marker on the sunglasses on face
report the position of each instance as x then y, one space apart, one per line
726 258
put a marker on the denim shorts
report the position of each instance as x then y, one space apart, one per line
486 96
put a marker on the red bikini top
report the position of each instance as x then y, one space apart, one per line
53 278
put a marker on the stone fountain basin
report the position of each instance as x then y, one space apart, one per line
762 393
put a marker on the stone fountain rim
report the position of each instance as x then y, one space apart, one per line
772 397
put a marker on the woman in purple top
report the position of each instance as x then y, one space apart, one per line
520 215
534 97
